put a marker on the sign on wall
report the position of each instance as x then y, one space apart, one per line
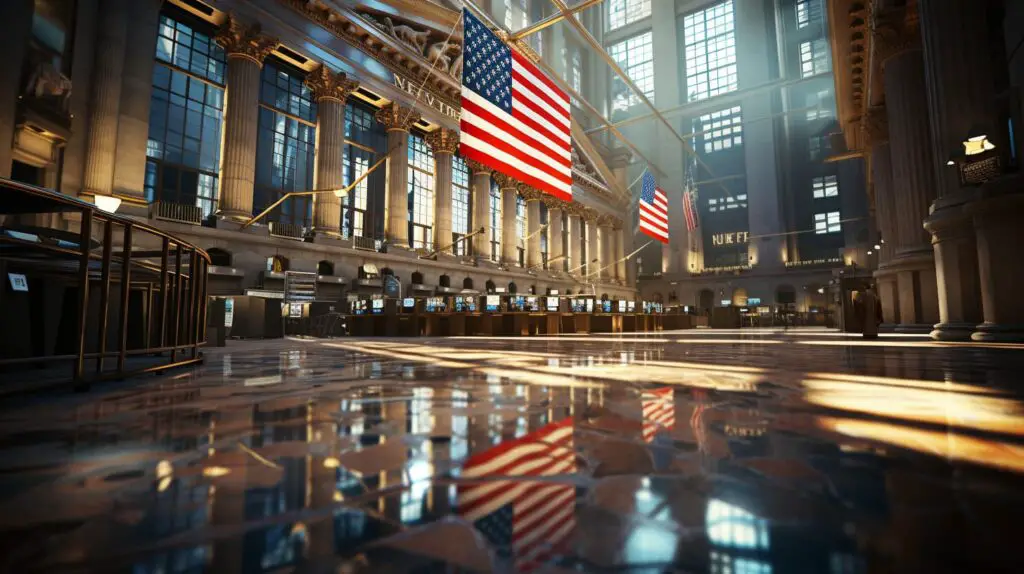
733 238
410 87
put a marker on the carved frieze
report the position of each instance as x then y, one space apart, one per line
326 84
246 41
396 117
443 140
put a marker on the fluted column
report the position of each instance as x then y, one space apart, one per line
108 67
398 121
246 49
330 90
619 239
481 193
607 251
556 243
575 241
885 213
17 18
509 242
444 142
533 198
997 225
960 81
593 244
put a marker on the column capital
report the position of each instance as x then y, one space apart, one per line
590 214
327 85
397 118
242 41
553 202
506 181
530 193
443 140
573 208
875 126
477 168
894 29
606 220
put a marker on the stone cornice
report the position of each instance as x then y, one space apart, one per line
327 85
443 140
396 117
242 41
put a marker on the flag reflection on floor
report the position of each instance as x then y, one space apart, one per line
658 412
519 504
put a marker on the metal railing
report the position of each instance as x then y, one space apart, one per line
365 243
125 298
287 230
177 212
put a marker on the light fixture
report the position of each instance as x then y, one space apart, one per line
107 203
871 252
977 142
882 241
877 247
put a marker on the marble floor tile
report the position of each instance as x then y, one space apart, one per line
731 452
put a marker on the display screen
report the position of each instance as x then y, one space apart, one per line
18 282
590 305
377 306
408 303
295 310
436 305
552 303
531 304
622 305
606 306
630 306
493 302
517 302
359 307
465 304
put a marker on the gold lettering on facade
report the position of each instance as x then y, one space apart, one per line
730 238
426 97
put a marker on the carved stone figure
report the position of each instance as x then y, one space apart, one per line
440 51
456 68
415 40
47 81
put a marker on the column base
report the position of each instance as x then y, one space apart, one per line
953 331
993 333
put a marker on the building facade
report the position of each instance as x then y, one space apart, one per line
230 124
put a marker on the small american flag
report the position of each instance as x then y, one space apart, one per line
653 209
690 208
527 521
514 118
658 412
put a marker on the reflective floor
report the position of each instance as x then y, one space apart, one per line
692 451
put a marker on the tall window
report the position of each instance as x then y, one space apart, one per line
421 192
521 228
636 56
827 223
572 57
584 248
186 110
624 12
284 149
820 105
817 146
808 12
544 235
460 203
495 221
727 202
825 187
814 57
710 40
720 130
363 139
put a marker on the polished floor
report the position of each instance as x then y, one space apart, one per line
729 452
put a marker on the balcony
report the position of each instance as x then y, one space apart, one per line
366 243
287 231
176 212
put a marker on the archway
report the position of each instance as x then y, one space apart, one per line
604 297
277 264
325 268
417 278
219 257
444 281
512 289
489 286
533 289
706 300
467 283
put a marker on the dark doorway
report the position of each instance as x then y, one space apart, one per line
26 173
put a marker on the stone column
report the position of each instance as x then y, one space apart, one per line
620 238
885 212
607 251
997 224
575 240
533 198
481 193
101 146
593 244
246 49
330 90
398 121
960 82
509 242
556 238
17 17
444 142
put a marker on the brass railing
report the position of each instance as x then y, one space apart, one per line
178 212
119 297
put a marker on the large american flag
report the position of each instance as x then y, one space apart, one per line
526 520
690 209
514 118
653 209
658 412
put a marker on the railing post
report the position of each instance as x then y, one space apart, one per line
108 232
163 291
177 301
126 289
84 239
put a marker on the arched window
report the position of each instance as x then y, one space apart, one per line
417 277
495 221
533 289
387 271
604 296
467 283
325 268
277 263
489 286
219 257
444 281
512 289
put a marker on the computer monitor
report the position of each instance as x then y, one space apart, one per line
622 306
590 305
377 306
630 306
493 303
435 305
531 304
408 303
465 304
552 304
606 306
359 307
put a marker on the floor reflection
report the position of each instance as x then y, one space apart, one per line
607 454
